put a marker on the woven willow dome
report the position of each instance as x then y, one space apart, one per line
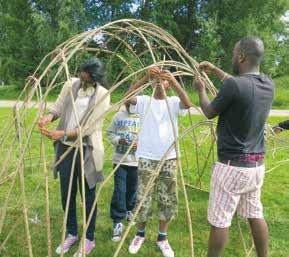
128 48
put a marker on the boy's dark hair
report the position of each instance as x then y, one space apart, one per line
96 70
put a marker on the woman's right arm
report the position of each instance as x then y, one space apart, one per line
57 108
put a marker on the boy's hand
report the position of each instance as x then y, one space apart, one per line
154 71
168 76
206 66
199 84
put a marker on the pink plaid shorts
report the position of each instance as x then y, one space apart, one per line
235 188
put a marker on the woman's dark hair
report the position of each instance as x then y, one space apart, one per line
96 70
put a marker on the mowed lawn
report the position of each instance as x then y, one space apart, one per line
275 199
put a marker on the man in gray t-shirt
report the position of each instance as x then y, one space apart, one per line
243 105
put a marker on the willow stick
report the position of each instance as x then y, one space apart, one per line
47 213
22 184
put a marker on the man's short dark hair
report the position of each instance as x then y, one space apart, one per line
253 49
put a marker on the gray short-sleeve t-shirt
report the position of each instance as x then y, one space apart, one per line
243 104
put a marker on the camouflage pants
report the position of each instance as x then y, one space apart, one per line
164 189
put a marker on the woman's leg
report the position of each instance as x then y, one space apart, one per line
65 171
89 200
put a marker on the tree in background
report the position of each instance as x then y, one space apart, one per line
31 29
236 19
207 29
18 53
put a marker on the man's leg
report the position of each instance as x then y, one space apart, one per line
217 241
250 207
260 235
223 202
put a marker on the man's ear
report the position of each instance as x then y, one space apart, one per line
241 57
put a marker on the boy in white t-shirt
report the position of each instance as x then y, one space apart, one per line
155 138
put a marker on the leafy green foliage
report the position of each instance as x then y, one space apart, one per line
207 29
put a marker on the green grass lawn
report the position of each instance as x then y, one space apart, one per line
281 93
275 200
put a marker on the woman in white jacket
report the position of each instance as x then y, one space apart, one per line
91 100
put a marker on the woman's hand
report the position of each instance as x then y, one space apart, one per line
45 120
54 134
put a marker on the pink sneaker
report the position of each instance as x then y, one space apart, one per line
165 248
67 244
136 244
89 245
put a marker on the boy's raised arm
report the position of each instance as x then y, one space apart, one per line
185 100
132 100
